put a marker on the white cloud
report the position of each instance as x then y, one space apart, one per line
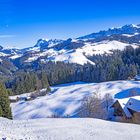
7 36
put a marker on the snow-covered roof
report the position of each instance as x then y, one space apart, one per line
137 77
132 103
13 97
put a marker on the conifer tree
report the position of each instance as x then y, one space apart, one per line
44 81
5 103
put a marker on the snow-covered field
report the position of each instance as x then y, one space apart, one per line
66 99
67 129
31 123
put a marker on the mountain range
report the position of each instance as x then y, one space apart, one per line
75 50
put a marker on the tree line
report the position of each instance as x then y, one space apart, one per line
25 82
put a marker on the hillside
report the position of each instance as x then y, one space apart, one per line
67 129
66 99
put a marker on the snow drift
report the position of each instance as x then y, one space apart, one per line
67 129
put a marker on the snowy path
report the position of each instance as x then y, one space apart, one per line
67 129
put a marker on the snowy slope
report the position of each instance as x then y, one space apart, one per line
104 47
81 54
15 56
67 129
66 99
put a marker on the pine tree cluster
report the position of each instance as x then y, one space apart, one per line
25 82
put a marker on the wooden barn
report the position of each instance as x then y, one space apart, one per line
127 109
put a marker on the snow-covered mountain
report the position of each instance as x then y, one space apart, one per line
72 54
129 29
77 50
8 52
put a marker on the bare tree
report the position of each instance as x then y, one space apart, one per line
108 100
92 107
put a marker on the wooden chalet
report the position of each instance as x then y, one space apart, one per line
127 109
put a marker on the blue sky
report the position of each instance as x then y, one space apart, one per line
23 22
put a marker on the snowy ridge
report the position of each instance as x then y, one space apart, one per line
15 56
104 47
2 54
130 35
126 29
